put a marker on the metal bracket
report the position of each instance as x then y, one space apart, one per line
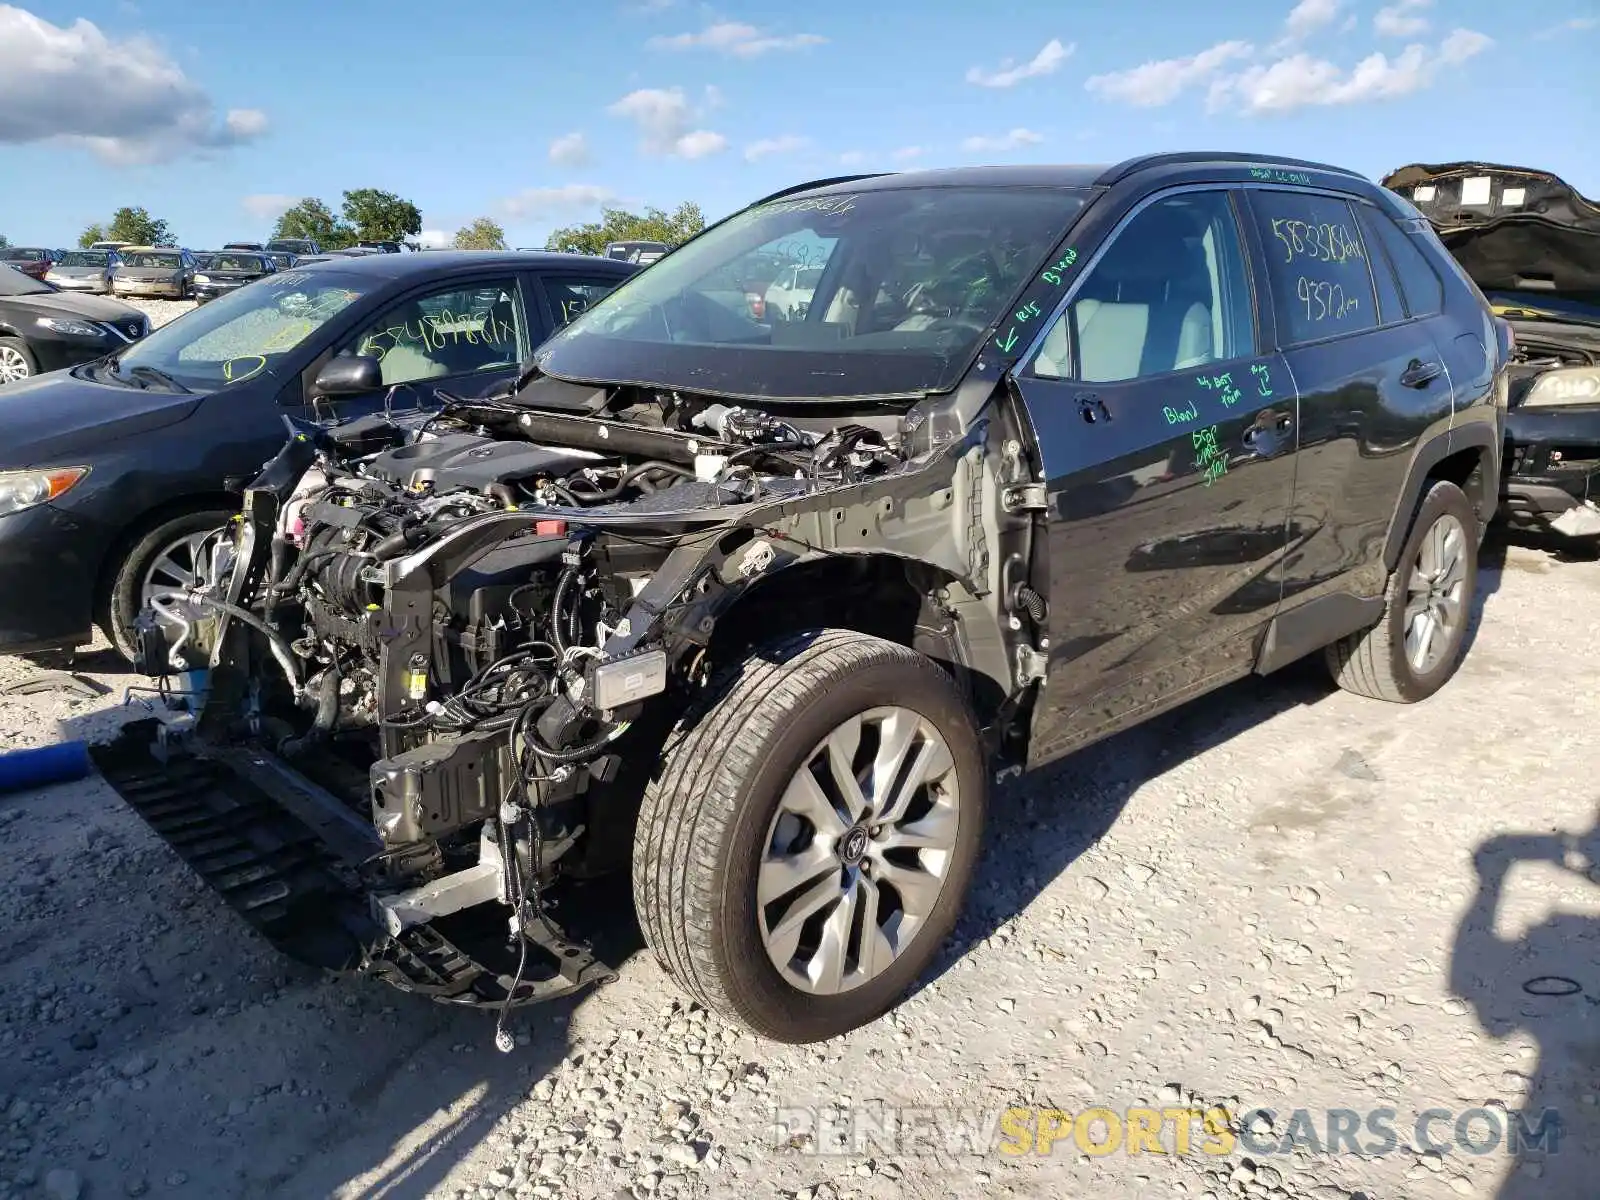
1031 665
1026 497
463 889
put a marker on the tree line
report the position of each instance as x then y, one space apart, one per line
374 215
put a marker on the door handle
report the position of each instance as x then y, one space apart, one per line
1093 409
1419 374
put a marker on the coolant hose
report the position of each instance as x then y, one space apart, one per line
322 723
1032 603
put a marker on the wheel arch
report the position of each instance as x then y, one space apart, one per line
130 534
1467 456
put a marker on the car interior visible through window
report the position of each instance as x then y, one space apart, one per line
1316 265
569 298
458 331
1169 293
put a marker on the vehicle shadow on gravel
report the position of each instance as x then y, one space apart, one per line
1041 823
1540 985
196 1055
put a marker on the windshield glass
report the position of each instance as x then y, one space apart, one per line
85 258
906 283
236 262
14 283
170 261
247 331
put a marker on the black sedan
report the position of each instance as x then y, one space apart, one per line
112 473
43 328
229 270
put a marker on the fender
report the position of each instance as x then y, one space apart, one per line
1430 453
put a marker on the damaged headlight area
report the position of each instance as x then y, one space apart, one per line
426 640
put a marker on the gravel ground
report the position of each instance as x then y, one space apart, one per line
1274 896
161 311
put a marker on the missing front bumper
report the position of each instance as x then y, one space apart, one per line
284 855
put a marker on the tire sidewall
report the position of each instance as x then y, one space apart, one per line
1442 499
123 603
753 983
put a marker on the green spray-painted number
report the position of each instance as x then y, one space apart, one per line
1028 311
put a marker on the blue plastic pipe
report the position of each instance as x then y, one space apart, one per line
46 765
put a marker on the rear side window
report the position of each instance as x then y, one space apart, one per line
1316 266
1423 289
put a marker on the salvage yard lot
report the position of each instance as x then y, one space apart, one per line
1267 898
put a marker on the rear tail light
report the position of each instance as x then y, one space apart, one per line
758 304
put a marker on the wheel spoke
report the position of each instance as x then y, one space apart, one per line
1455 559
804 798
842 746
932 763
169 568
784 937
918 889
897 732
1450 611
833 949
781 874
934 831
873 951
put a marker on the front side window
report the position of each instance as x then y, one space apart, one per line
1170 293
904 284
458 330
1316 266
571 296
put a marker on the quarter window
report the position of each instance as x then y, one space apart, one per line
571 296
1170 293
454 331
1316 266
1420 283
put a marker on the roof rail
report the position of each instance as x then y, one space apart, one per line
1145 161
815 183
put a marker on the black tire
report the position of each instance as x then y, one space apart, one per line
124 598
1374 662
705 817
20 347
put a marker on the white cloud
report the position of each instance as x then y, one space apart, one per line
1309 16
1574 25
852 158
737 39
1011 72
435 239
1402 19
124 99
570 150
1014 140
665 119
1302 81
268 206
1153 84
531 203
767 147
907 153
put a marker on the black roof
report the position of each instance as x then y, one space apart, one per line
444 262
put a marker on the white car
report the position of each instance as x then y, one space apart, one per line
789 295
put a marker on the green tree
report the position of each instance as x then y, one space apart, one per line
313 219
3 242
482 234
91 235
619 225
139 227
379 216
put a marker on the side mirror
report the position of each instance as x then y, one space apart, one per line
348 375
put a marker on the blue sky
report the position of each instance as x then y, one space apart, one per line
535 114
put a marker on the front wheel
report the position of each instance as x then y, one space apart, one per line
170 557
16 360
1417 645
807 843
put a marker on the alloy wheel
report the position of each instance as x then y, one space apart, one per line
1435 595
857 855
177 566
13 366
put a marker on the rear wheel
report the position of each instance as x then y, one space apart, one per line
16 360
807 844
1417 645
171 557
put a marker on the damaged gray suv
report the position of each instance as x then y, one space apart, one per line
759 604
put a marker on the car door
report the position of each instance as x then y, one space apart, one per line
1168 443
567 293
462 336
1371 382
